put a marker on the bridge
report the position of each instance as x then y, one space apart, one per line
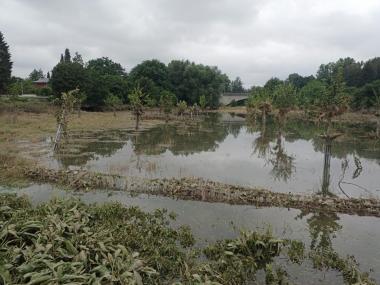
229 97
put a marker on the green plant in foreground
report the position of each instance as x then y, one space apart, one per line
68 242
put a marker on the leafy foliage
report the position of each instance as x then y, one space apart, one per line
113 101
136 100
67 76
36 74
167 101
5 64
68 242
181 106
202 102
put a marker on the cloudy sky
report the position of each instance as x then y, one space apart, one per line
253 39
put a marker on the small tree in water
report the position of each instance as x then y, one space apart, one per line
202 102
335 101
284 98
66 103
136 101
259 100
182 106
167 102
112 101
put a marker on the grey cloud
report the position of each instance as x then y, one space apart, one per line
251 39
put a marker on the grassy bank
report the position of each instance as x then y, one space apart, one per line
68 242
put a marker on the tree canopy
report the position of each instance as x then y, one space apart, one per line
5 64
36 74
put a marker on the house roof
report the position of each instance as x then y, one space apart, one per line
42 80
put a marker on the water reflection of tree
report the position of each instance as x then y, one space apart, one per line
323 224
186 138
322 228
83 147
261 144
283 164
325 189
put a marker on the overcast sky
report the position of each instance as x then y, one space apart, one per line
253 39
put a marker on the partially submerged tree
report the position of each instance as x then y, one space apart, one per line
181 106
66 105
202 102
335 101
284 99
167 102
136 102
112 101
259 100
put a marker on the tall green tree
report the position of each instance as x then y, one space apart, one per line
271 84
299 81
104 77
151 76
312 93
189 81
105 66
78 59
68 76
36 74
5 64
371 70
67 56
237 85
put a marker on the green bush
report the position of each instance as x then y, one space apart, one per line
45 91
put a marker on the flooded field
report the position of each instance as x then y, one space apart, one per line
224 148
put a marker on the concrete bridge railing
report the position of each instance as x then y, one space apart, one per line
227 98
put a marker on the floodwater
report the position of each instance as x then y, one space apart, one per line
225 148
346 234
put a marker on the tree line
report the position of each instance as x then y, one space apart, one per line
102 81
102 78
355 84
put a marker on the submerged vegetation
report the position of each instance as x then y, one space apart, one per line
68 242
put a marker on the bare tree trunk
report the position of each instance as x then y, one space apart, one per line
378 127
